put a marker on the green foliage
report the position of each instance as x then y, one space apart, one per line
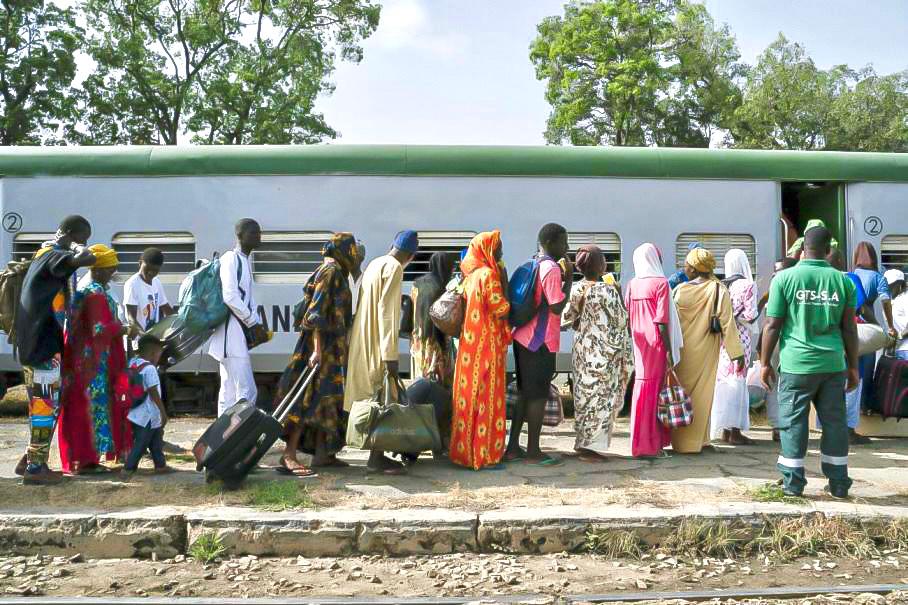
279 495
635 72
227 71
772 492
38 42
870 116
207 548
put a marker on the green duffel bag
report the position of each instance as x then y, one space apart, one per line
393 427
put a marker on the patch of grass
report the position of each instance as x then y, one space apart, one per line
207 548
180 457
699 537
279 495
615 544
772 492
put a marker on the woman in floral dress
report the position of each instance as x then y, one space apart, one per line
431 351
602 356
95 383
478 427
731 403
318 426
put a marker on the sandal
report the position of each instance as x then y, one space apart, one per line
299 471
546 460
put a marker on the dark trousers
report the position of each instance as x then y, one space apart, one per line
827 392
145 439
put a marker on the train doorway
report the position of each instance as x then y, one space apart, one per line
802 202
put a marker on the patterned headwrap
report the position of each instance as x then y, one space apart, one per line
702 260
586 257
105 257
342 247
481 252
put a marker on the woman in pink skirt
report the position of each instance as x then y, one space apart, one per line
657 340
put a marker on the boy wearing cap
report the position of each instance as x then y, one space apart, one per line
375 333
896 281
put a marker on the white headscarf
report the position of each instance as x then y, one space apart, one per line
737 263
648 263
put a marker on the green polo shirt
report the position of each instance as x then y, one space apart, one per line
811 297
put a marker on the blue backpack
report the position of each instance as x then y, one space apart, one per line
522 286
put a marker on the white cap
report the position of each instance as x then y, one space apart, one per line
893 275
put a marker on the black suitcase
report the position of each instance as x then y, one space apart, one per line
179 342
236 441
890 396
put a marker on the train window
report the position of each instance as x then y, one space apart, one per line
609 243
178 249
286 256
435 241
894 252
26 244
718 244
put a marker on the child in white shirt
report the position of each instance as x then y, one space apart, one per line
144 298
148 417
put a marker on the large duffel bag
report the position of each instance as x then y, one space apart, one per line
235 442
890 388
383 424
179 341
872 338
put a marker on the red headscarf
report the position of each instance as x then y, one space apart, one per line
481 252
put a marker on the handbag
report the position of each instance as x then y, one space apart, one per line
715 326
675 408
447 313
554 410
389 426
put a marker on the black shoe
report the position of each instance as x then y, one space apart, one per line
839 493
855 438
792 493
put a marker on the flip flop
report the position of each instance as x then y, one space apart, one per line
300 472
546 461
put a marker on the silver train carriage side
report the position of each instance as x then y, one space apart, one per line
186 200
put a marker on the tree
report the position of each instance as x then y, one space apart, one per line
635 72
870 116
38 42
226 71
786 100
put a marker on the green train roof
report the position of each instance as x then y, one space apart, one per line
425 160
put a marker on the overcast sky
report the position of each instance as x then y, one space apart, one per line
457 71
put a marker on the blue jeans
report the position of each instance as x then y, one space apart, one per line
145 439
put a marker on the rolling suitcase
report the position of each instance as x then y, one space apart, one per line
237 440
891 388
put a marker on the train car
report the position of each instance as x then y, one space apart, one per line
186 201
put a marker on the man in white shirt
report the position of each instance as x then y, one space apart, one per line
228 344
143 294
896 281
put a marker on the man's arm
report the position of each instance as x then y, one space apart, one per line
771 333
230 290
850 339
389 320
155 394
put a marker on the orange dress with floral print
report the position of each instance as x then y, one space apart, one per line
478 424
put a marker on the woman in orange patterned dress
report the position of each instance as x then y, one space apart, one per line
478 427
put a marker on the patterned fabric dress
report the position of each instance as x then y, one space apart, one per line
602 361
328 308
95 383
428 358
478 427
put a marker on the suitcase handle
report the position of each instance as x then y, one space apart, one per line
293 395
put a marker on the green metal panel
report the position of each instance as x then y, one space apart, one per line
827 204
455 160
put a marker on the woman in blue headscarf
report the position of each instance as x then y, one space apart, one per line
323 318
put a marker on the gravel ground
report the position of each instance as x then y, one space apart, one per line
449 575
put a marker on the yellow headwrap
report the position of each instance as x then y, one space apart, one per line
105 257
701 259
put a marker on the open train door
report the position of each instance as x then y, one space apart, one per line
802 202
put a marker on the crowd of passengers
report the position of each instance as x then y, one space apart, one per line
80 348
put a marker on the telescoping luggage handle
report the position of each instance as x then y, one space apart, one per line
294 394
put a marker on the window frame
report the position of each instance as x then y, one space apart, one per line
289 237
436 240
154 239
576 239
902 253
705 237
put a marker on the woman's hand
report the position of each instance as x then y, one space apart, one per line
739 363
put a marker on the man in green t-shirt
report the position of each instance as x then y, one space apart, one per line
811 317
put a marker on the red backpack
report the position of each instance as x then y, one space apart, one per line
137 390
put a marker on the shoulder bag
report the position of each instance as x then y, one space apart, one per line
715 326
675 408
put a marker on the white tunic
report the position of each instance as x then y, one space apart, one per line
239 299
